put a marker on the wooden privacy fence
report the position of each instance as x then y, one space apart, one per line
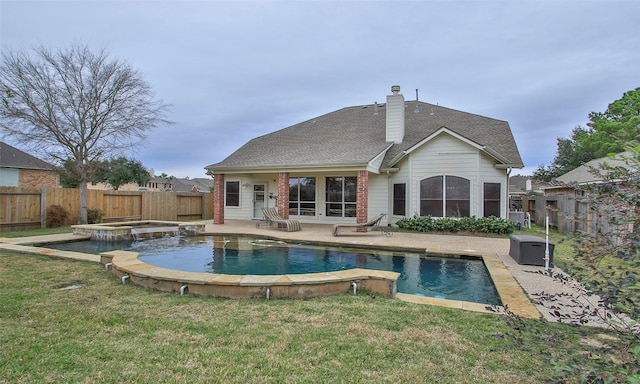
25 208
567 214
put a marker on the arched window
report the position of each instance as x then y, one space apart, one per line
445 194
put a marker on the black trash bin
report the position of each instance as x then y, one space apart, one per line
530 250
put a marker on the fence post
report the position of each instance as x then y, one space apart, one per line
43 208
203 205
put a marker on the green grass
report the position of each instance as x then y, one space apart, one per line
36 232
105 331
109 332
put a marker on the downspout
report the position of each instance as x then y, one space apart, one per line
389 171
389 197
509 169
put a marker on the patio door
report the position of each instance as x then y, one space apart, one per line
259 200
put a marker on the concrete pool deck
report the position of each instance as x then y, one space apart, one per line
516 284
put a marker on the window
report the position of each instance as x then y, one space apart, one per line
232 194
431 197
457 194
492 199
9 177
341 196
445 194
302 196
399 199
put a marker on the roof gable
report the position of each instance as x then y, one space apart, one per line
442 130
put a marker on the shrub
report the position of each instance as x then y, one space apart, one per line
492 224
94 216
56 216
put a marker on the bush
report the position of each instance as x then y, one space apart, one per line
56 216
452 225
94 216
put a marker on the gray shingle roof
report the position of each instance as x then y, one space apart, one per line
11 157
187 185
355 135
583 173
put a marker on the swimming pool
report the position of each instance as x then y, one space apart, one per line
452 278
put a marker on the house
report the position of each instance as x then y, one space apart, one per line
20 169
163 184
563 200
403 158
567 184
197 184
584 174
157 183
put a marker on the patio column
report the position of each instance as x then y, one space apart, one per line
362 197
218 199
283 194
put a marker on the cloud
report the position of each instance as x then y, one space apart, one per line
236 70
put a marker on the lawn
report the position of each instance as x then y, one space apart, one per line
100 330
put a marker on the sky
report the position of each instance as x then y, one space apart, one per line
235 70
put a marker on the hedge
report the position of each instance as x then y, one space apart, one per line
491 224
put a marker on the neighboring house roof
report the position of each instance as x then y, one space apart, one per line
192 185
355 136
11 157
583 173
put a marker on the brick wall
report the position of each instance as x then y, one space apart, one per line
362 197
218 199
283 194
38 178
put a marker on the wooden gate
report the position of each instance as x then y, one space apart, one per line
22 208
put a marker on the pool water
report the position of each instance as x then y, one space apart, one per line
444 277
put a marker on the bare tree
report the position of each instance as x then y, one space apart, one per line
75 104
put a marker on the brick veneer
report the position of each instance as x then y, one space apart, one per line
362 197
218 199
38 178
283 194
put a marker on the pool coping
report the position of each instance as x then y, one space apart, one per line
127 266
511 293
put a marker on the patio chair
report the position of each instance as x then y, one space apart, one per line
371 225
271 216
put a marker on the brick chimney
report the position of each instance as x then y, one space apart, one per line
395 115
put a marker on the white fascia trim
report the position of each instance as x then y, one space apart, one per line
374 164
301 169
507 166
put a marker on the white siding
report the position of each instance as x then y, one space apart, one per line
380 196
245 210
489 174
395 118
446 155
402 176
